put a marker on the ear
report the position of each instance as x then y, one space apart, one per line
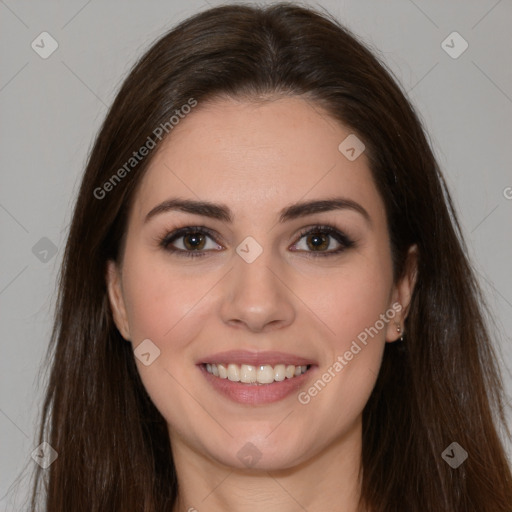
116 298
401 296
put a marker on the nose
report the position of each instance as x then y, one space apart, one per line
257 296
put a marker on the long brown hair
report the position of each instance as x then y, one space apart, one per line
441 386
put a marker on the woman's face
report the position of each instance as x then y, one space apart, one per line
270 285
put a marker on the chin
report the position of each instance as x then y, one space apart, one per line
259 453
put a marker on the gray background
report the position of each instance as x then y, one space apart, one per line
51 110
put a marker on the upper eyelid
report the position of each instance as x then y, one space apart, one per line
185 230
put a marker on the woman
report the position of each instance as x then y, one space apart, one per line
265 300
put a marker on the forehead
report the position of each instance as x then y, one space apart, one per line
256 156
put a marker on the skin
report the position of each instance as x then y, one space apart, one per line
256 158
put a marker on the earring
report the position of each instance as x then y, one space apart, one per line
399 330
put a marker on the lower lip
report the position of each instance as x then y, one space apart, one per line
256 394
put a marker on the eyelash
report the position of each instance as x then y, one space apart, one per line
324 229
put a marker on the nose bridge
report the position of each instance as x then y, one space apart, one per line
255 294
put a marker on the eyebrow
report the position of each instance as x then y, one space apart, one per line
223 213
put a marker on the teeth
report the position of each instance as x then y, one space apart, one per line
248 374
234 372
289 371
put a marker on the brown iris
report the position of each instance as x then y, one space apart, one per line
197 241
317 242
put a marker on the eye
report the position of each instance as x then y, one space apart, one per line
191 241
319 238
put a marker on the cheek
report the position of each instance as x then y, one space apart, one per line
162 303
352 300
360 306
357 311
170 309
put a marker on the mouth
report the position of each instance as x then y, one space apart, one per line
256 378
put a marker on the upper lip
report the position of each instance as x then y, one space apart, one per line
256 358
